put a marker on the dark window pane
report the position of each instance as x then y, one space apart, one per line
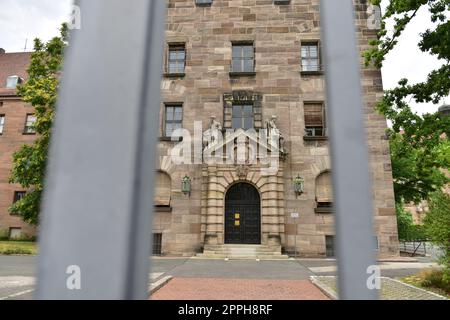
248 51
248 123
248 65
178 114
248 110
236 123
172 55
169 129
181 55
237 111
237 51
169 113
236 66
313 52
305 52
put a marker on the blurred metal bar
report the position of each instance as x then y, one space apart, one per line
98 202
351 177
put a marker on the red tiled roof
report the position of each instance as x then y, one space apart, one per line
13 64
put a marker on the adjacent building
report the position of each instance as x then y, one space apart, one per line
16 119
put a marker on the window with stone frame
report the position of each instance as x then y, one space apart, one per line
203 2
173 119
176 59
315 122
324 192
237 115
2 123
242 117
163 187
29 124
243 58
310 57
329 246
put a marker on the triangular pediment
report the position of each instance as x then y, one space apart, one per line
239 135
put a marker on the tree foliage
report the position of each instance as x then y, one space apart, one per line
407 230
419 155
41 92
437 224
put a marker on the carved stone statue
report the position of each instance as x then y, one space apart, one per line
276 139
213 134
215 125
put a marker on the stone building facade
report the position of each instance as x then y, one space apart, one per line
241 75
208 74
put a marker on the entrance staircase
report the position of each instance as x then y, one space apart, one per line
242 252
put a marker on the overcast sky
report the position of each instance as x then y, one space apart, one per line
28 19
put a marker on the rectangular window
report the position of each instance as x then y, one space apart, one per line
15 233
329 243
157 244
173 119
176 59
203 2
243 58
315 120
13 81
310 57
29 124
2 123
19 195
377 244
242 117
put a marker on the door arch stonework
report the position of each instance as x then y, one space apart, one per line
216 181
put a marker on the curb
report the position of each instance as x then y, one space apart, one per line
155 286
330 294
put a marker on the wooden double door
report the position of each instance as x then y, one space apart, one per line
242 215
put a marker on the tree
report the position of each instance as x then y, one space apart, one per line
40 91
437 224
407 230
416 154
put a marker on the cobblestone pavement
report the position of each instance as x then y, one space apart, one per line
390 289
238 289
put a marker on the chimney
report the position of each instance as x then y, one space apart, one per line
2 51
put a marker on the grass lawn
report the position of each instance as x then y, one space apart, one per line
429 280
17 247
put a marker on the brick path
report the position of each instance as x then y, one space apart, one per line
238 289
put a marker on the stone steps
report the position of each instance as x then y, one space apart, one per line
242 252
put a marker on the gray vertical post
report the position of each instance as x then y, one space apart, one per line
99 190
351 180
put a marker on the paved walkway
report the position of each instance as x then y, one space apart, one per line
238 289
391 289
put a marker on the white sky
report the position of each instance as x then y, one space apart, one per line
28 19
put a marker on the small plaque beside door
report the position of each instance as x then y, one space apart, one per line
237 223
237 215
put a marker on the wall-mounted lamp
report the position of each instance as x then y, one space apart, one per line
186 185
299 185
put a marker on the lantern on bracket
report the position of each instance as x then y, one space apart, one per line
299 185
186 185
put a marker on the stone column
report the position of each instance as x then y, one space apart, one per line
211 236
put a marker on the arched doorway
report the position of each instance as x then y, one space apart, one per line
242 215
